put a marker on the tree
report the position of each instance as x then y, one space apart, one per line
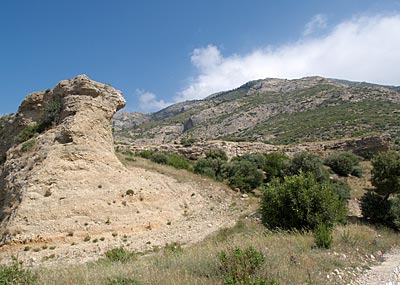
386 173
301 202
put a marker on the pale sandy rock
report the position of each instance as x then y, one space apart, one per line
71 182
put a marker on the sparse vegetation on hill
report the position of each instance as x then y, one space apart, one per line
276 111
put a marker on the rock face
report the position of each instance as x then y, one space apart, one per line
61 183
364 147
71 143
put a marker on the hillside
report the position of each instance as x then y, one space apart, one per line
271 110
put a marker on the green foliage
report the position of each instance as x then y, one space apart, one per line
239 266
119 254
15 274
159 157
342 188
51 116
379 210
216 153
168 158
188 141
173 248
323 236
179 162
145 153
52 113
301 202
343 163
28 132
242 174
210 167
308 162
276 165
122 281
357 171
28 145
386 173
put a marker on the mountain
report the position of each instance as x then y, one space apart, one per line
277 111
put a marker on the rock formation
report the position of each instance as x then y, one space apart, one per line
61 180
56 142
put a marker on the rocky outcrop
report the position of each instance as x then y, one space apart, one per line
61 183
55 137
364 147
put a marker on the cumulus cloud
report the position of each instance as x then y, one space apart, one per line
360 49
318 22
148 101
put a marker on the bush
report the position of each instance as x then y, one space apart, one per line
28 145
386 173
209 167
15 274
187 141
301 202
343 163
308 162
178 162
342 188
119 254
216 153
239 266
159 157
375 208
276 165
27 133
323 236
242 174
145 153
379 210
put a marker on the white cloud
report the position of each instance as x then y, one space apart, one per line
148 101
361 49
318 22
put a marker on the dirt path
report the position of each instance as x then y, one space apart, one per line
387 273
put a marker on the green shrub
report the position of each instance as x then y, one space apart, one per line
178 161
379 210
240 266
375 208
209 167
357 171
308 162
145 153
242 174
119 254
323 236
28 132
187 141
216 153
28 145
386 173
15 274
342 188
301 202
343 163
159 157
276 165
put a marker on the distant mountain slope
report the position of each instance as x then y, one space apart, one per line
277 111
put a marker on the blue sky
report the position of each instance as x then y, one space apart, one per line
161 52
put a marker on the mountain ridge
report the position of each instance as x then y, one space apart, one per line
274 110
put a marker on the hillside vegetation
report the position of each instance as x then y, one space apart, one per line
273 110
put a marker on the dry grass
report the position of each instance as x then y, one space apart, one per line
291 258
